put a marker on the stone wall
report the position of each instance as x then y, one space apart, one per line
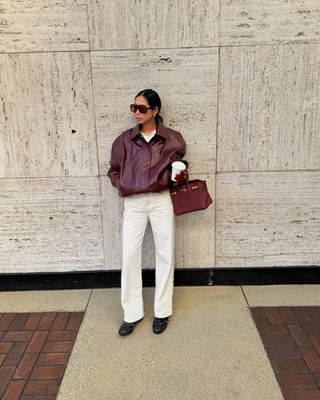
240 79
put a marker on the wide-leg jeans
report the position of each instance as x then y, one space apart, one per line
138 209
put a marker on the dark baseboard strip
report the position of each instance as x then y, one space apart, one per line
182 277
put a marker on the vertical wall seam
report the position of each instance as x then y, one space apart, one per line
217 132
96 137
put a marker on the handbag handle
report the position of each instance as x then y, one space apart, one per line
186 186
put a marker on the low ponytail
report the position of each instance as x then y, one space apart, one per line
158 117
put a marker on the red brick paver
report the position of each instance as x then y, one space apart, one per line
291 338
34 353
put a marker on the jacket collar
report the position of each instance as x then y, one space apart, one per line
161 131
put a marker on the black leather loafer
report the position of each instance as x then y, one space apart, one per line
159 324
127 327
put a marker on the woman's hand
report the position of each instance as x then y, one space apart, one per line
181 177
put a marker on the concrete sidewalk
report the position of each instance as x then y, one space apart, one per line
210 350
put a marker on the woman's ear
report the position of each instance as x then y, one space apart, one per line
156 111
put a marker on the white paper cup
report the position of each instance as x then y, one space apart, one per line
177 167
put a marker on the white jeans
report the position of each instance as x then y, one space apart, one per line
138 209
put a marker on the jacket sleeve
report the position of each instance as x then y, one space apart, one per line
180 151
115 165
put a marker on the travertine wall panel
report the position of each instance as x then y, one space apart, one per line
195 236
145 24
47 122
112 210
49 225
194 232
240 79
269 21
269 108
268 219
189 103
37 25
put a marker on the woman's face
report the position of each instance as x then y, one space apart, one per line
144 118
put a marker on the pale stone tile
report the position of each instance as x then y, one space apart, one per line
283 295
186 81
203 354
47 120
44 300
269 108
268 219
208 297
195 240
269 21
121 24
213 297
37 25
112 210
50 225
194 232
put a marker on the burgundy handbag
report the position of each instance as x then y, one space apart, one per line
190 196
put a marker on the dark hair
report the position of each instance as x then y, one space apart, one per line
153 99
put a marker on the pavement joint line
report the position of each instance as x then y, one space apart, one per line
244 295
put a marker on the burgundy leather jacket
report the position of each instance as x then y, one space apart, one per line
140 167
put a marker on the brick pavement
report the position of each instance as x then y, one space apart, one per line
34 352
35 349
291 338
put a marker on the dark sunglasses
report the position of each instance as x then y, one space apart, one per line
143 109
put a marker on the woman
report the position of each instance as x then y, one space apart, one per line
140 169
